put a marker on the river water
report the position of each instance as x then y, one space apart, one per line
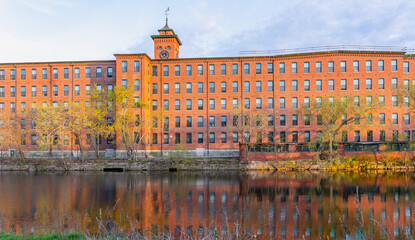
253 205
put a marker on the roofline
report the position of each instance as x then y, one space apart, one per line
58 62
167 36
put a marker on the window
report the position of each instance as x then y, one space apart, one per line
235 103
258 103
199 70
44 90
331 66
306 85
12 107
381 83
188 87
368 101
271 86
282 102
380 65
368 65
136 66
66 90
23 107
343 66
154 71
394 118
258 68
166 105
177 104
234 69
295 136
355 66
199 87
211 69
87 72
12 74
165 138
235 137
188 138
165 124
77 73
394 100
270 103
177 88
282 137
2 110
381 101
270 120
1 91
166 71
199 104
406 119
124 66
246 68
356 101
331 85
356 84
23 74
247 103
369 137
177 122
234 86
1 74
394 65
294 120
270 68
33 91
188 70
154 88
154 105
293 67
318 67
282 120
177 70
189 122
381 118
88 90
307 136
294 102
318 85
258 86
246 86
306 67
306 102
33 74
223 104
382 135
188 104
223 87
223 69
200 138
368 84
199 121
282 68
212 137
211 87
109 72
223 121
357 136
23 91
211 121
211 104
405 84
12 91
394 83
282 86
136 85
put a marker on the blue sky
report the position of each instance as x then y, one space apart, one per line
54 30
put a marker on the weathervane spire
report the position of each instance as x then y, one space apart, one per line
167 14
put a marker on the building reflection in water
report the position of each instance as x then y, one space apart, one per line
266 205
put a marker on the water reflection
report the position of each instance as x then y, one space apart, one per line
329 205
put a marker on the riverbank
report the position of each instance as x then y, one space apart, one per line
215 164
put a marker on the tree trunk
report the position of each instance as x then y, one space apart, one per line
21 153
330 149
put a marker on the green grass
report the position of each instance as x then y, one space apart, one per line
72 236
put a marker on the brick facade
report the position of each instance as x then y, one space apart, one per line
229 76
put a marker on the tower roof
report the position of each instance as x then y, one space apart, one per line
166 27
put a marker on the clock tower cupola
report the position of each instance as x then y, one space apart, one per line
166 43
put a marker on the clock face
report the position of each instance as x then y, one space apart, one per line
164 54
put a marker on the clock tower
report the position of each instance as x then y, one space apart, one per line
166 43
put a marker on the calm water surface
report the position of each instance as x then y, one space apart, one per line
261 205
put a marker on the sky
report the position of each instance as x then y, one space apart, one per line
74 30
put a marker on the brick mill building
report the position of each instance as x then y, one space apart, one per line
198 95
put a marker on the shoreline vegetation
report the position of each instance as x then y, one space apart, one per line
212 164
